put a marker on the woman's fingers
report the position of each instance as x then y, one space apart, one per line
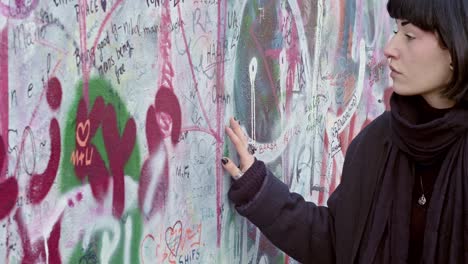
239 140
239 144
235 126
231 168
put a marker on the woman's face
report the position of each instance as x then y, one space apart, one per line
418 63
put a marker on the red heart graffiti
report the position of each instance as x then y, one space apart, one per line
173 237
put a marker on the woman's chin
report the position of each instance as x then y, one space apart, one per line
403 91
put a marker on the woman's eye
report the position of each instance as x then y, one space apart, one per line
409 37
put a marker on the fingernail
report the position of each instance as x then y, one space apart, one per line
224 161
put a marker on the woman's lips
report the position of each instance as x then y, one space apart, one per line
394 72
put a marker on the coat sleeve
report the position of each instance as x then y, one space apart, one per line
301 229
319 234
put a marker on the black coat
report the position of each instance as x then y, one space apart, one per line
319 234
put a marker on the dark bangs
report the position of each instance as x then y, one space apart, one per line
418 12
449 19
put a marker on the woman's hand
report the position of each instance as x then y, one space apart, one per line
240 141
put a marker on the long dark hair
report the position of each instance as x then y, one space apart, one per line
449 19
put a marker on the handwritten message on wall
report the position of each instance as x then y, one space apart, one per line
112 116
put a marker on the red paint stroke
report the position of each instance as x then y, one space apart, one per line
8 196
96 170
194 78
85 66
2 154
167 71
341 25
53 243
332 187
4 104
346 136
162 188
165 49
323 174
144 182
273 54
56 66
350 39
41 183
34 253
54 93
354 128
293 57
219 118
50 45
98 175
166 102
21 11
29 255
119 150
163 119
153 134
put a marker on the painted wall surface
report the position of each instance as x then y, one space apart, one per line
112 119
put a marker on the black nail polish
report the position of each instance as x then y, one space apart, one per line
224 161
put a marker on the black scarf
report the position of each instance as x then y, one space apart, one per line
446 231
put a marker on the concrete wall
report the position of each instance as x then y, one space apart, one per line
112 119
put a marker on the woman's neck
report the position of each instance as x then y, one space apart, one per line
438 101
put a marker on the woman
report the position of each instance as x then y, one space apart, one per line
404 189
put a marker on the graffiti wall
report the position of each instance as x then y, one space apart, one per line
112 116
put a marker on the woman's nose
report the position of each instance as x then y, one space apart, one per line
390 50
